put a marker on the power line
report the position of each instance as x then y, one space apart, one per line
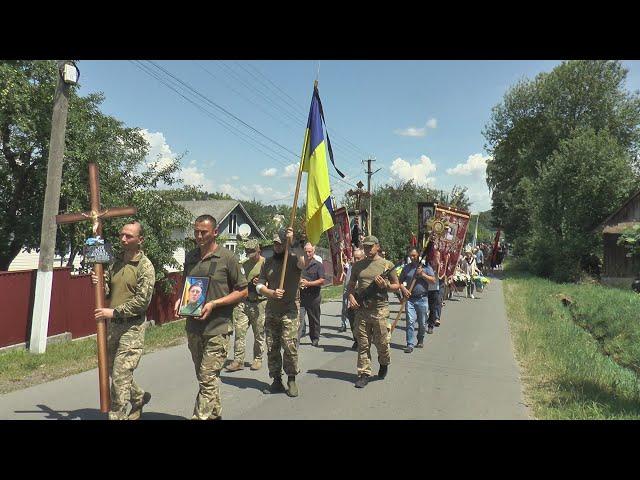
195 92
227 126
302 117
357 149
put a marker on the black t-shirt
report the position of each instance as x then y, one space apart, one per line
313 271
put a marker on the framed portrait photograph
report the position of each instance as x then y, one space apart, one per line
194 296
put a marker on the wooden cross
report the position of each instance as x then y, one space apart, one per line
96 216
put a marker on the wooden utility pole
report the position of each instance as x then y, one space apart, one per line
44 278
96 216
369 175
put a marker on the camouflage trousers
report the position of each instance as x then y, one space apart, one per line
125 343
281 332
208 353
372 328
245 314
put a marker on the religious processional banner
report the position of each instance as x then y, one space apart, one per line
453 225
340 243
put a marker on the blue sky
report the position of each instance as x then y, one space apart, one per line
418 119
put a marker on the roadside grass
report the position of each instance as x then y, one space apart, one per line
20 369
332 292
580 361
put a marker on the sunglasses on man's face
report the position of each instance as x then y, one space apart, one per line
248 251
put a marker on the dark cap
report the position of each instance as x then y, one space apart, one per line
281 236
370 240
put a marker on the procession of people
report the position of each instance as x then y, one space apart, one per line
224 297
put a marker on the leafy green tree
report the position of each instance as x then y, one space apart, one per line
538 118
586 179
395 213
126 178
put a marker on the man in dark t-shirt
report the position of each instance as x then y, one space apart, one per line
310 285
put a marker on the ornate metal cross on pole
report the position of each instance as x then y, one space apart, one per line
96 216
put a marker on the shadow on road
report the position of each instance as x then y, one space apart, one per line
333 335
244 382
334 348
91 414
344 376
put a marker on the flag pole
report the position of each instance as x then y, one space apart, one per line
295 205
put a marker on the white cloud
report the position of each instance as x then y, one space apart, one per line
160 153
249 192
418 172
415 131
269 172
475 169
291 170
476 164
193 176
235 177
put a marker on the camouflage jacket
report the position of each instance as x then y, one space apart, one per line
129 286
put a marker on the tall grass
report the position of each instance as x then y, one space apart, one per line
580 361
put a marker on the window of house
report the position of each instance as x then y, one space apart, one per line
233 223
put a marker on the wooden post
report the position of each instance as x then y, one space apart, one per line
96 216
44 280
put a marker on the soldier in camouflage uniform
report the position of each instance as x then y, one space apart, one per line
208 335
281 314
129 286
249 312
371 315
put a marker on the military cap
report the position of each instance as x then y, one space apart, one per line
370 240
252 244
281 236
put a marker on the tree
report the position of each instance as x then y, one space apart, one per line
396 212
587 177
125 177
528 128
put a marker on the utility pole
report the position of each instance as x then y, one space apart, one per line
369 175
44 279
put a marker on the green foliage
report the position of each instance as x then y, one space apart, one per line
630 238
561 144
586 178
125 178
395 213
486 231
189 192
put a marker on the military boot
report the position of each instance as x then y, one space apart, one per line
292 389
257 364
275 387
136 410
235 366
383 371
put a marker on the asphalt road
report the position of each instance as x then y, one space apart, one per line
466 371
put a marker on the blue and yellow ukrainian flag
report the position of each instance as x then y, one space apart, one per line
314 161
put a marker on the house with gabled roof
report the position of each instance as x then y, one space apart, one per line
231 217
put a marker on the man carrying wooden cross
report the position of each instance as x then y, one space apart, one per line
129 284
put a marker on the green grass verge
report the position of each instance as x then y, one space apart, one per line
332 292
21 369
580 361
